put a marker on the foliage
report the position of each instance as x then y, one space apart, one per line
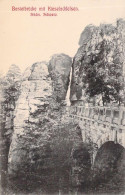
102 76
10 87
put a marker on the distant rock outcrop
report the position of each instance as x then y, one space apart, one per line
59 68
10 90
12 84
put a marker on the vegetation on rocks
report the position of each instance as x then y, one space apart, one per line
10 90
41 148
98 66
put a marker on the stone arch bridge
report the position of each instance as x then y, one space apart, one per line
100 124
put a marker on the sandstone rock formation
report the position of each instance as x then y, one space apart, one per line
43 139
98 79
35 97
47 149
35 102
10 88
9 92
59 68
98 66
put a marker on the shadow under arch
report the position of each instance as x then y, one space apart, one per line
108 165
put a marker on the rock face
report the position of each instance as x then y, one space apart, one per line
9 90
35 97
98 66
35 102
59 68
43 139
12 81
34 125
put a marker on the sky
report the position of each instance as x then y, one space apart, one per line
25 39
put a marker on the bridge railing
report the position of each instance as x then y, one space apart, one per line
113 115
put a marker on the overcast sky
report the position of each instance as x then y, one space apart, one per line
25 40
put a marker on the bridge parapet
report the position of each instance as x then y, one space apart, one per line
101 124
115 116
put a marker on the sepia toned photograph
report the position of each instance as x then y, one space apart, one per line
62 97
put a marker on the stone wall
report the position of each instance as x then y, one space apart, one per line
100 124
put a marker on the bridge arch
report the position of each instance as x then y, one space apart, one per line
101 124
110 156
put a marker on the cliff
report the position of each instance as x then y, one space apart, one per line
99 65
43 138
